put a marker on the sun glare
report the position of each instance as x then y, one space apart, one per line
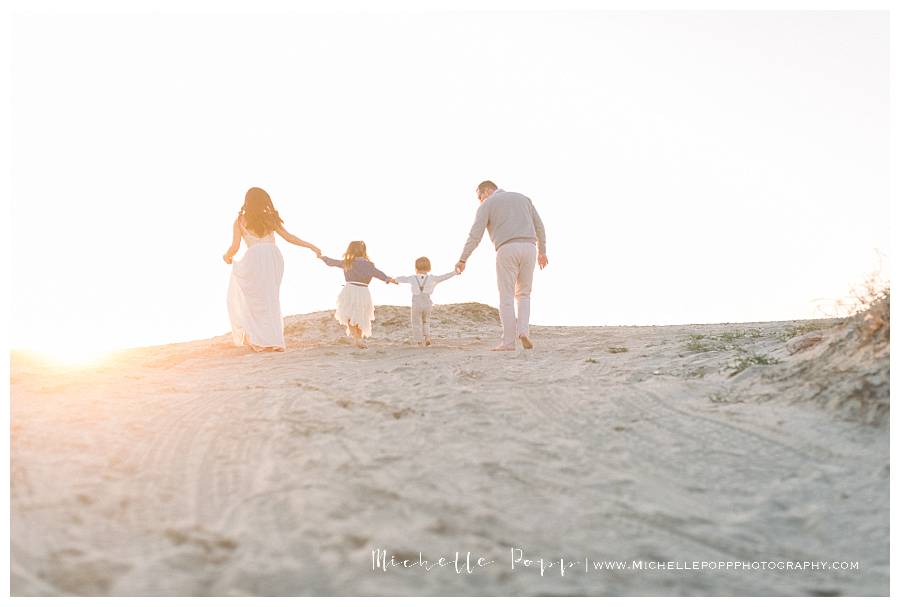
71 354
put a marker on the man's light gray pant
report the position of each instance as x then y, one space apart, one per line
515 272
420 317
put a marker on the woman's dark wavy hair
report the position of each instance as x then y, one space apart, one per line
259 213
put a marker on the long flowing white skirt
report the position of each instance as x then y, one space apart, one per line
254 306
354 306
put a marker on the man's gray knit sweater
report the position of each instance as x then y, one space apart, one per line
508 217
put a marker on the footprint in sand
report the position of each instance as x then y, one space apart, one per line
73 572
197 546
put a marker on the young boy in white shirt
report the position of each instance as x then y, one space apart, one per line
422 285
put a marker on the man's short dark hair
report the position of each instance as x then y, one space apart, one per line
486 186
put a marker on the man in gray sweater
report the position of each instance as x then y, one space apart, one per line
514 227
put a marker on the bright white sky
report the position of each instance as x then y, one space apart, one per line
690 167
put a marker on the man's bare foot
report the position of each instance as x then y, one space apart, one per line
526 343
504 349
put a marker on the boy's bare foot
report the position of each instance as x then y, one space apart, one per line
504 349
361 344
427 342
526 343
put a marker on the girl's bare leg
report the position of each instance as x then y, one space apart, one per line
357 336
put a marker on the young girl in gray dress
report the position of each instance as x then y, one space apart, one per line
354 308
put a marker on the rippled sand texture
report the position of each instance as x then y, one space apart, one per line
203 469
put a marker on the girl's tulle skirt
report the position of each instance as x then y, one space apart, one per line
354 307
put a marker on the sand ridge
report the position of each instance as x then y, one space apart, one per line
205 469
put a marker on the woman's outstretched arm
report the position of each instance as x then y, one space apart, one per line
235 242
294 240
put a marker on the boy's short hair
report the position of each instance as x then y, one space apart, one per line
423 264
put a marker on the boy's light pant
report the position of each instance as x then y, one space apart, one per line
515 272
420 317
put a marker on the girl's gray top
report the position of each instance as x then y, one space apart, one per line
361 270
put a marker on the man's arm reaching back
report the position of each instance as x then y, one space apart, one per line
476 233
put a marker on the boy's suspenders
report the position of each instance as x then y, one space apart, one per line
421 284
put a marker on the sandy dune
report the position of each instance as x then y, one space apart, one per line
199 468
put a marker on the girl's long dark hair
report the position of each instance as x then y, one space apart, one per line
259 213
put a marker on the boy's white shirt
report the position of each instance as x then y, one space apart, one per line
428 284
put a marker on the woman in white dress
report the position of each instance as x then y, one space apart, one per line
253 291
